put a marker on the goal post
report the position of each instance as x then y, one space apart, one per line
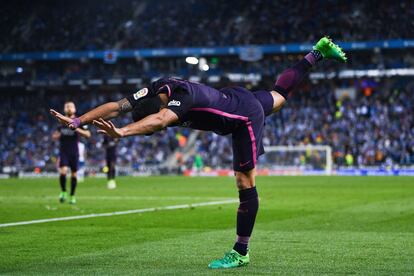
297 160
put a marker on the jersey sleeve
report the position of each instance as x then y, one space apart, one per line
138 96
163 85
180 102
167 85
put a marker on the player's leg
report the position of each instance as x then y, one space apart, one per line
62 181
111 174
289 79
247 145
73 185
246 217
247 211
74 164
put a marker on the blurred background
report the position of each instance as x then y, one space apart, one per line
91 52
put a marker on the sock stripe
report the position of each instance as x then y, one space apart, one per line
242 240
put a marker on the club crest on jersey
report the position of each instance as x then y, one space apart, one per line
174 103
141 93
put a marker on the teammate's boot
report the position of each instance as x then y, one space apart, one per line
330 50
62 196
72 200
231 259
111 184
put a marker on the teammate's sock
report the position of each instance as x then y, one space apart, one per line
291 77
62 181
246 216
111 173
73 183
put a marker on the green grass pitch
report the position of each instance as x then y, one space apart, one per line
305 225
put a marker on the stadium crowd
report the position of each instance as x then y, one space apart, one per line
26 140
376 129
75 25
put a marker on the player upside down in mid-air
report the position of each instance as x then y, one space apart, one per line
233 110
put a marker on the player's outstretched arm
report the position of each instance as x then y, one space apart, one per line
152 123
107 111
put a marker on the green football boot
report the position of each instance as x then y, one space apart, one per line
62 197
72 200
330 50
231 259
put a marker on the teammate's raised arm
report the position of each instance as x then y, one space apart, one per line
84 132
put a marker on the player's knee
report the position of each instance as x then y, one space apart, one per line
245 180
278 101
63 171
74 174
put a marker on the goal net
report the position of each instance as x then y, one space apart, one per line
296 160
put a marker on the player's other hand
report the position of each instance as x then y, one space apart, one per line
64 120
108 128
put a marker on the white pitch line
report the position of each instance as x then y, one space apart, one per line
118 213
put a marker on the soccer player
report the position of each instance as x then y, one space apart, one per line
69 152
232 110
110 151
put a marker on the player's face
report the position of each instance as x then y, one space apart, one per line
69 109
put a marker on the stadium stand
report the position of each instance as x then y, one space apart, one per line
376 126
81 25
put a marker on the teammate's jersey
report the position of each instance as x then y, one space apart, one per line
202 107
68 140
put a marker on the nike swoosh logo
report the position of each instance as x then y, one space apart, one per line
244 164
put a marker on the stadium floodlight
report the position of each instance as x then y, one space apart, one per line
202 65
191 60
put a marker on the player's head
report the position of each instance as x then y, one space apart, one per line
69 108
146 107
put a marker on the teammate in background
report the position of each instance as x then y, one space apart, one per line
69 152
231 110
82 158
110 151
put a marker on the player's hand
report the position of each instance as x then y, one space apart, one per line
61 118
64 120
108 128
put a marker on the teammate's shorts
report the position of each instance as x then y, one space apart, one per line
69 160
247 138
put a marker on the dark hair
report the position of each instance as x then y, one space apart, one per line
146 107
